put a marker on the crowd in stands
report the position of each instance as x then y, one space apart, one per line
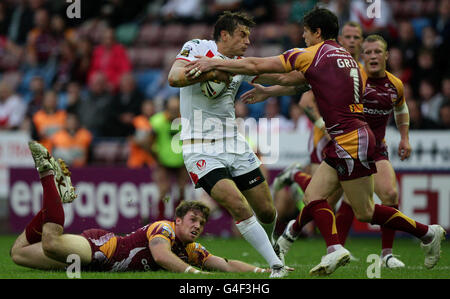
83 86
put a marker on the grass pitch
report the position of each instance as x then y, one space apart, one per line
305 254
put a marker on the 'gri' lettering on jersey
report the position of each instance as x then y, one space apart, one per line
346 63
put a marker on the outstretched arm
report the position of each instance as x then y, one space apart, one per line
220 264
260 93
163 256
245 66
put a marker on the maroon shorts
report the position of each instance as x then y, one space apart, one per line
352 154
381 151
97 238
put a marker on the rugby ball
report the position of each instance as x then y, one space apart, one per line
212 89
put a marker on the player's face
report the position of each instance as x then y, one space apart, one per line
374 57
238 42
190 227
311 38
351 39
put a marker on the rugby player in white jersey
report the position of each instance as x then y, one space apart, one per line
217 157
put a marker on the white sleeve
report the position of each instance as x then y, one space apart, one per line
189 50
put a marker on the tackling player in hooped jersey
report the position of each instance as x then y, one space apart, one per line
167 245
337 85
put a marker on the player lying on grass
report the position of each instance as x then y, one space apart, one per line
167 245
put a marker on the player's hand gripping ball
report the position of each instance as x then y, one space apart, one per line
212 89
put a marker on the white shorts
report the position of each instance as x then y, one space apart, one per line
234 154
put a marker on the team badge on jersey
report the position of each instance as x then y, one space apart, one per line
201 164
185 51
166 231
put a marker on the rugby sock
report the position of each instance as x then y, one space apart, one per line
387 237
52 208
344 220
302 179
325 220
253 232
33 231
396 220
319 211
269 228
303 218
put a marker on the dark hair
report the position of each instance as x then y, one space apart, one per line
193 205
229 21
325 20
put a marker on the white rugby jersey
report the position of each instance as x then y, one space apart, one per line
201 116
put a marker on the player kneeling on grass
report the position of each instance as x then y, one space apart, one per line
168 245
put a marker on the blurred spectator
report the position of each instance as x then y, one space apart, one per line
5 16
120 11
299 8
445 87
441 20
430 39
293 37
170 163
72 98
372 21
66 65
340 7
12 108
261 10
444 115
217 7
125 106
82 65
273 119
185 11
431 100
49 120
41 44
59 30
109 58
138 143
10 55
299 122
35 96
95 110
397 66
407 42
21 22
426 69
72 143
416 120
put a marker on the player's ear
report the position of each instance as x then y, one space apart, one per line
318 33
224 35
178 220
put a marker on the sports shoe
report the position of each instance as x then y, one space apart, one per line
390 261
45 162
432 250
284 242
331 262
278 271
284 177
